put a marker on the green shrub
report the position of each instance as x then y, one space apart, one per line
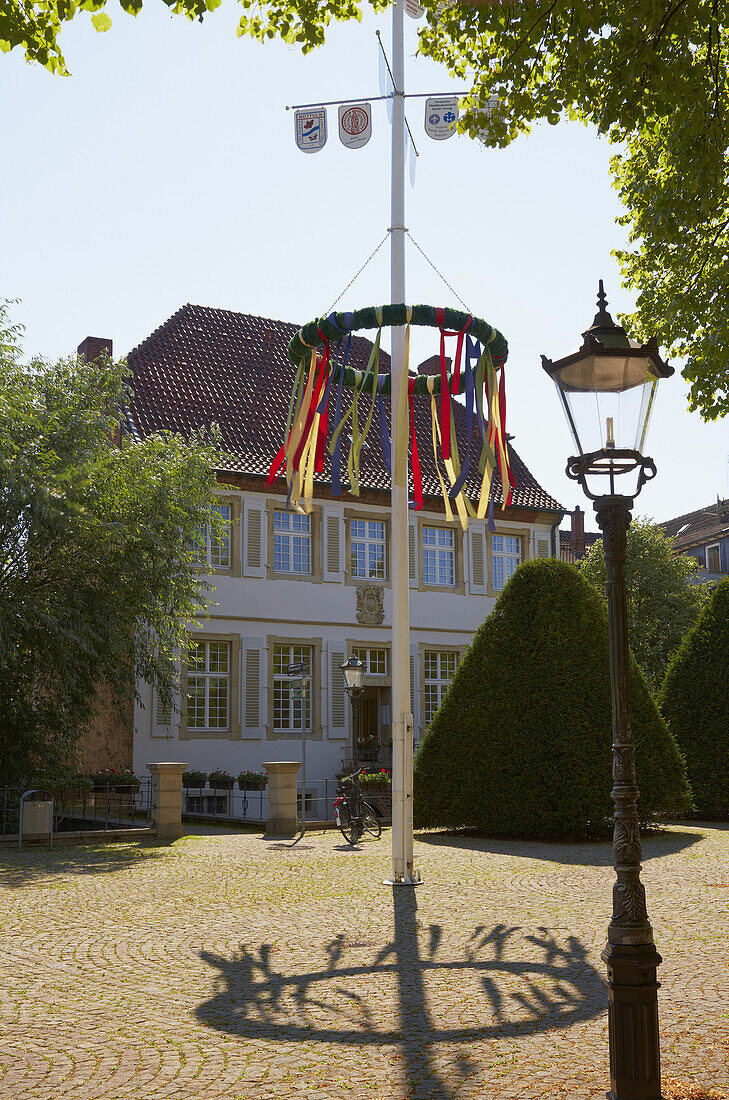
695 703
521 745
194 778
376 779
252 781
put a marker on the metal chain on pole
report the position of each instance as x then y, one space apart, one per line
440 274
356 276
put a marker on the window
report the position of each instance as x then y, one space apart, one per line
440 668
713 558
291 543
287 712
217 547
439 556
208 686
374 660
505 557
367 549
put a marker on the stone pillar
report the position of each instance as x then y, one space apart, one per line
167 799
282 810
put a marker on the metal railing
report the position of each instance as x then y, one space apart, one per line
77 809
234 804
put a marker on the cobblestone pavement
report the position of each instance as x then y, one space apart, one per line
229 966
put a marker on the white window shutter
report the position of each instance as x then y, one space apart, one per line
254 538
542 548
337 696
253 688
413 551
477 559
333 548
415 692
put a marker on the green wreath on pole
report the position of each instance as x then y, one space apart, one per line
338 325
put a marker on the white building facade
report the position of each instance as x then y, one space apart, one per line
315 589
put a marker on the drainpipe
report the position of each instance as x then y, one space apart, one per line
555 528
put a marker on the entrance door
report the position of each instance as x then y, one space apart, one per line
368 725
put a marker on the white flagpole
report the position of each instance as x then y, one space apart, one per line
402 721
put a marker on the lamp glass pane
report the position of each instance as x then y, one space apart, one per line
607 400
353 674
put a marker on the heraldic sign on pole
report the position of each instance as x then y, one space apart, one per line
317 416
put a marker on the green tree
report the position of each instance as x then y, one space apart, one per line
695 703
650 75
662 600
35 25
97 552
521 744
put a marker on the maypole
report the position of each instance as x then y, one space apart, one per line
402 720
315 396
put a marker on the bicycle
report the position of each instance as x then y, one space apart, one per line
353 815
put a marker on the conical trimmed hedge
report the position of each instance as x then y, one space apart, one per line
521 745
694 700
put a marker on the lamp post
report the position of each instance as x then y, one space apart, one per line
611 381
354 671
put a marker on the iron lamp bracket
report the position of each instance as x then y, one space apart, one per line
610 462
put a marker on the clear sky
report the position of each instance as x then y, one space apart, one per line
164 171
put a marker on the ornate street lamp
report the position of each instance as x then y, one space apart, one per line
612 381
354 671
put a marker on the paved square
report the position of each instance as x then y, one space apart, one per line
228 966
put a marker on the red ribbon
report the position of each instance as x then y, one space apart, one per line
310 413
445 392
415 458
321 441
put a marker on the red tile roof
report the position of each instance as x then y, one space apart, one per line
567 550
696 528
207 365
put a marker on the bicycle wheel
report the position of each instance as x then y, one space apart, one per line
371 821
348 827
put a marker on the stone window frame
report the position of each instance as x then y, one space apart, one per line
459 585
234 569
315 577
371 680
709 547
521 533
378 517
233 731
317 730
433 647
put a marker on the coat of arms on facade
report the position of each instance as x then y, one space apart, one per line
370 604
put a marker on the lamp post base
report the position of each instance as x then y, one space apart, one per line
635 1062
406 880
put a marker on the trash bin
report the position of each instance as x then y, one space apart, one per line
36 816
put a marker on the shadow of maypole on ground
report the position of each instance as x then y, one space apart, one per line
342 1001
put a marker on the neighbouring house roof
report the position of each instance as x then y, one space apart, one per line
207 365
699 527
567 547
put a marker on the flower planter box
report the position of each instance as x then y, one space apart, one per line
221 784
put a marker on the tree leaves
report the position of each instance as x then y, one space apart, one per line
663 601
99 574
101 21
